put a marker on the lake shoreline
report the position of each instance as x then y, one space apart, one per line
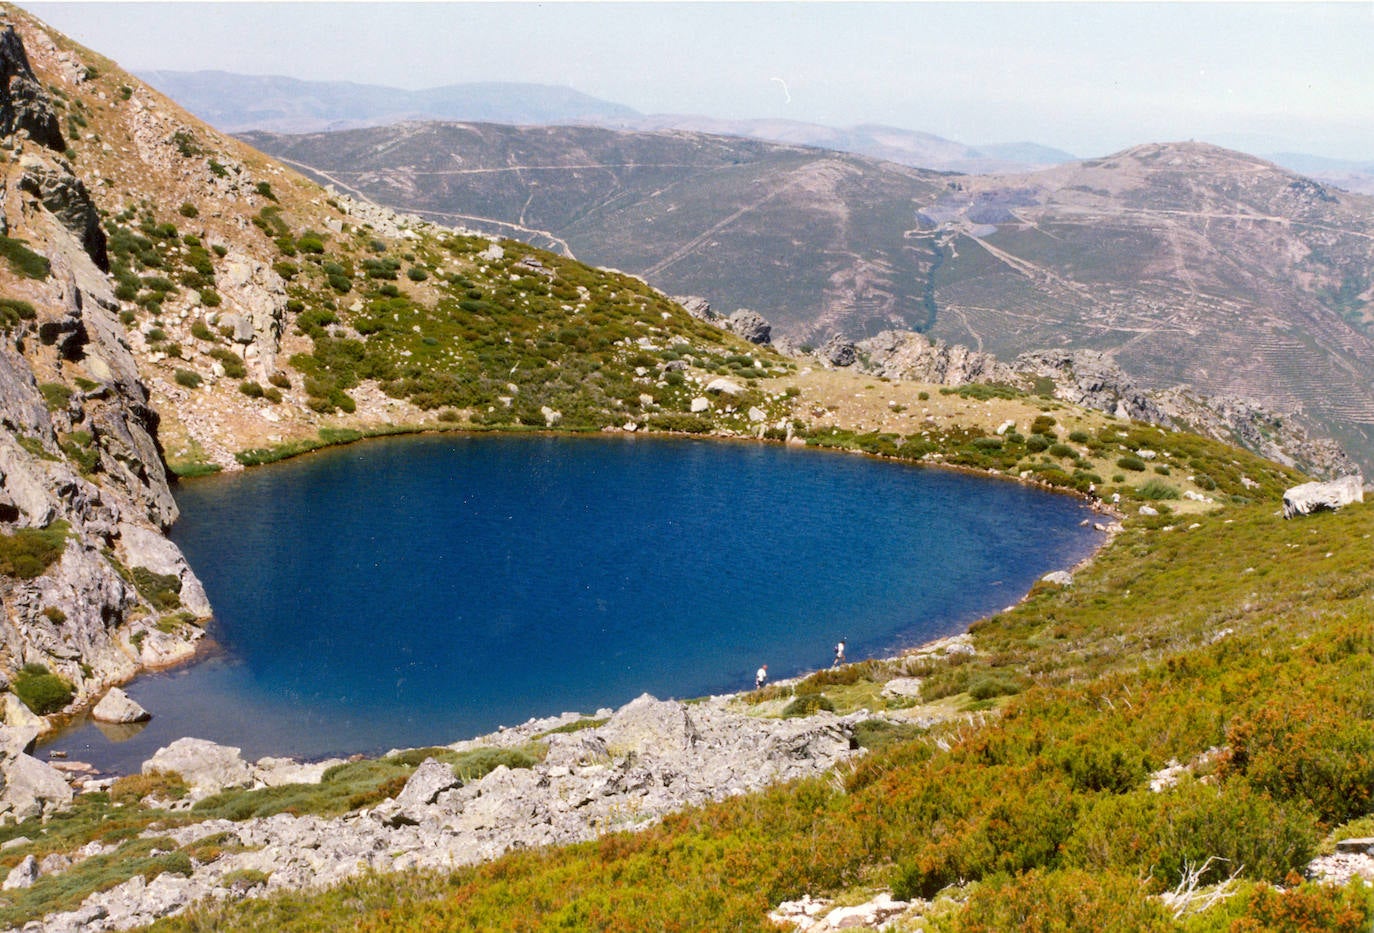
209 648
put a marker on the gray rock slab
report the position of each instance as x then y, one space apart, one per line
207 767
117 706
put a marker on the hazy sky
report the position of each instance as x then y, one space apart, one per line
1088 77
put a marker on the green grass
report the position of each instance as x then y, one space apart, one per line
28 552
22 260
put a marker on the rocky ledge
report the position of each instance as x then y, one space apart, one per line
622 770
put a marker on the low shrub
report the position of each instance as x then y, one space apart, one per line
807 704
163 590
1065 902
1155 490
41 690
165 785
1131 462
13 310
24 261
28 552
188 378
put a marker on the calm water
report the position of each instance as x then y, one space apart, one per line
422 590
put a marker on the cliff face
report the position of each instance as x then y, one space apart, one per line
79 459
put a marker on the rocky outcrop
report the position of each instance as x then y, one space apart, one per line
1246 423
698 307
838 352
749 325
24 105
908 355
78 449
254 309
1322 497
1093 380
51 180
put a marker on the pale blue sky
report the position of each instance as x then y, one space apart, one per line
1088 77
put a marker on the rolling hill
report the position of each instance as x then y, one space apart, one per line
1186 262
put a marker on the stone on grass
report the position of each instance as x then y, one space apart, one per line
1322 497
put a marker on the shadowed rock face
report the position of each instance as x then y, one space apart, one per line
24 105
78 449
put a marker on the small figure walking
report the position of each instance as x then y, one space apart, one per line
839 654
761 677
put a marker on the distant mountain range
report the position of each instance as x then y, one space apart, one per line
239 103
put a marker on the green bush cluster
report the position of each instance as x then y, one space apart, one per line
41 690
28 552
22 260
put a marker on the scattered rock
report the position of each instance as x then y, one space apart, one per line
22 875
723 386
118 706
1319 497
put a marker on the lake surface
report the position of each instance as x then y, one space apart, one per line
421 590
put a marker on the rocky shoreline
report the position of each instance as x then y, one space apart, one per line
621 769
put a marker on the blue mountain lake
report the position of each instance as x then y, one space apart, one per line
420 590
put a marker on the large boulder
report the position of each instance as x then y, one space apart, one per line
32 788
648 725
207 768
750 325
118 706
1322 497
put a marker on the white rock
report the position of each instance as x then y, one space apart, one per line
118 706
724 386
1059 578
1317 497
700 404
22 875
208 768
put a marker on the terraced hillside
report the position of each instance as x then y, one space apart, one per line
1189 263
809 238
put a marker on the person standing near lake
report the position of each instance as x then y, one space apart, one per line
839 654
761 676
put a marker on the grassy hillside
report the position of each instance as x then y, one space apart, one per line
268 318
